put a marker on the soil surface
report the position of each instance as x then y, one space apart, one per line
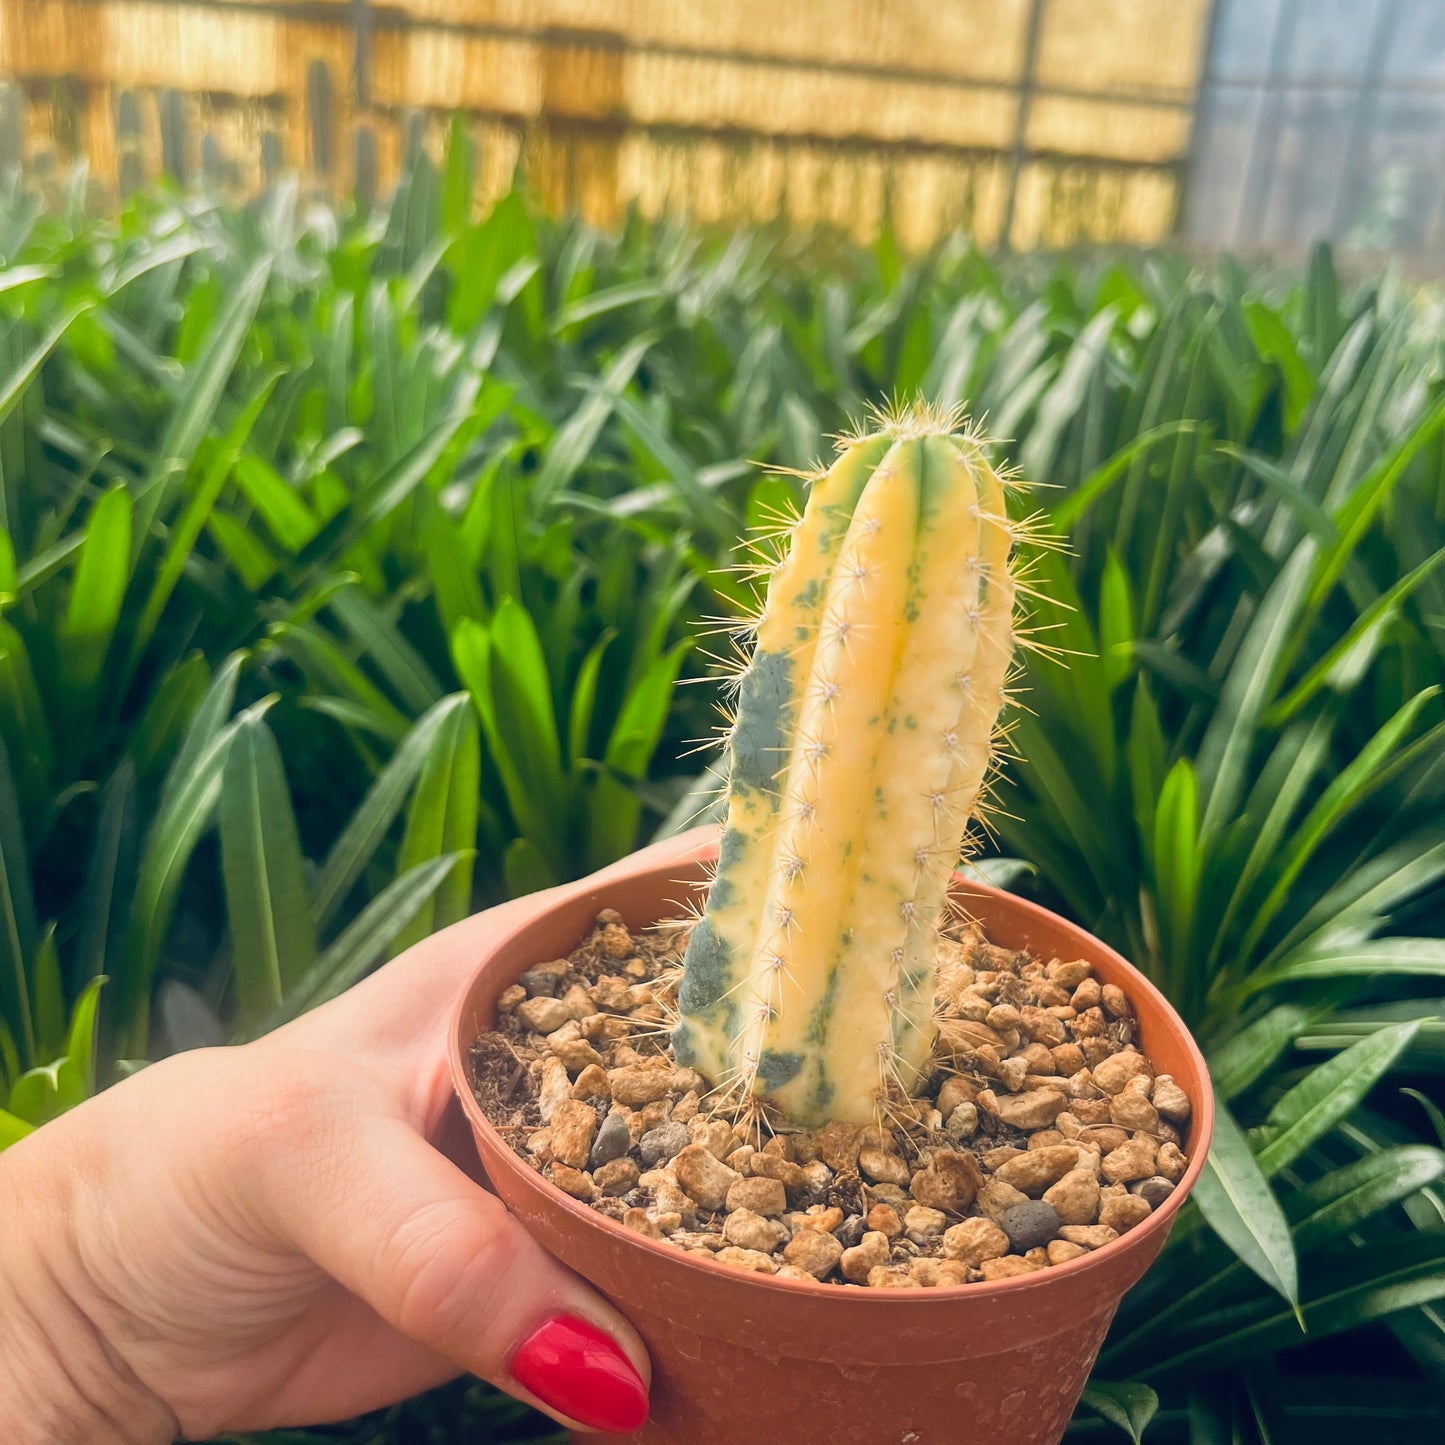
1043 1132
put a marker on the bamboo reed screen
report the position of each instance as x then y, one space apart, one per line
1038 122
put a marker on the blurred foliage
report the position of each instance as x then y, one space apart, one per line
349 560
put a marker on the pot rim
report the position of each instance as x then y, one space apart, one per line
940 1296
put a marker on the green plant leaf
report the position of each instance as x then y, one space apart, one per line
250 556
1130 1405
13 1128
206 723
75 1081
525 869
1345 1198
1327 1094
188 804
14 386
24 726
365 941
100 584
506 673
35 1096
1116 622
19 930
1363 1287
48 992
442 820
584 696
1354 782
278 504
195 408
1373 958
1274 343
453 577
1225 748
373 504
1432 1112
1235 1198
329 668
1176 865
1067 512
182 536
358 842
398 662
1244 1058
575 439
9 573
1342 665
273 938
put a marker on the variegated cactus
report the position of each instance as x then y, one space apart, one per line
864 729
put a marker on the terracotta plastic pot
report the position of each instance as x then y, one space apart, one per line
740 1357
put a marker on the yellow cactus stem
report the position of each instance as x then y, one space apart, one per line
865 728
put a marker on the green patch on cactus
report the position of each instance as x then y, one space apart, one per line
707 968
776 1069
684 1046
731 848
810 597
723 891
764 710
730 852
822 1015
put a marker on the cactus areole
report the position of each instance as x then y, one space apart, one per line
865 726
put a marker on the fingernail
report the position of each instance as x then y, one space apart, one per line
574 1368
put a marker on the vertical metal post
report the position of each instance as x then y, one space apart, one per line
361 67
1199 120
1028 80
1264 142
1362 118
320 118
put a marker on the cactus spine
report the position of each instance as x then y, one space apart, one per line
864 730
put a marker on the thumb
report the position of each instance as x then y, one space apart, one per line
445 1264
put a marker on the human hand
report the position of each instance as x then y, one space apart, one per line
243 1238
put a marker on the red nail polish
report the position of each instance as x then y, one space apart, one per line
575 1368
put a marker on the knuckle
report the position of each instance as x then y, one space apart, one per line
449 1270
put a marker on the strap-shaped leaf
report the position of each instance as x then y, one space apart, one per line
1365 1285
1236 1200
187 811
195 410
369 824
1328 1094
273 939
1373 958
365 941
19 931
574 441
1233 729
101 578
442 820
1337 1203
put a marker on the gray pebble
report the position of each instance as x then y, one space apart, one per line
613 1140
659 1145
1154 1190
850 1233
539 983
1030 1225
